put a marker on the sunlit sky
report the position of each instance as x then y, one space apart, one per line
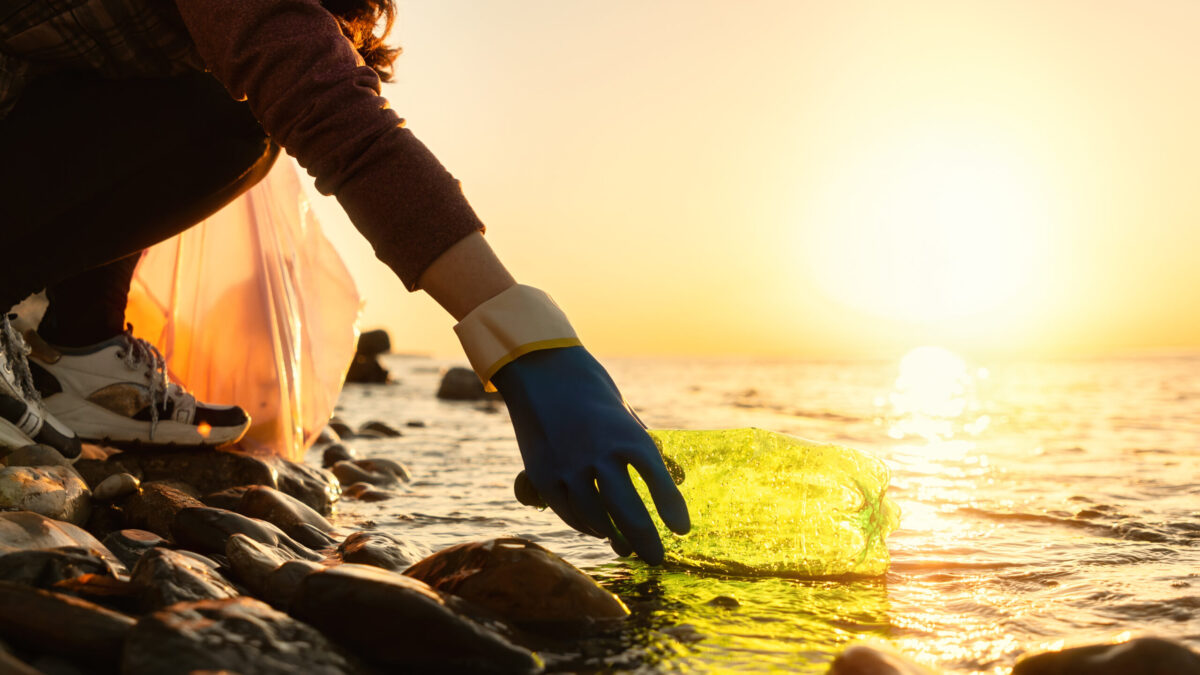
816 179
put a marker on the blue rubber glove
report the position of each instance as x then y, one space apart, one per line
577 439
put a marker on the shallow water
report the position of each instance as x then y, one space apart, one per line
1045 504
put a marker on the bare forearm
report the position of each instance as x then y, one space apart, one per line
466 275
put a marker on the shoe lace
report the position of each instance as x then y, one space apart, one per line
16 352
141 352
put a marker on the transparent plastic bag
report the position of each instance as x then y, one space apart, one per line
764 503
254 307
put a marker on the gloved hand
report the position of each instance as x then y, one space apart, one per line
578 438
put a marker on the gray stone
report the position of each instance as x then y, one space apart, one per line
130 545
116 486
164 577
239 635
380 550
402 623
54 491
520 582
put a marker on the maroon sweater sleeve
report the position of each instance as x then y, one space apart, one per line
314 96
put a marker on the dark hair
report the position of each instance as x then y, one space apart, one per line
359 19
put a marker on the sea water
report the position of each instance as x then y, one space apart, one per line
1045 504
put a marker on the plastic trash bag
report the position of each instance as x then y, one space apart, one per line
254 307
764 503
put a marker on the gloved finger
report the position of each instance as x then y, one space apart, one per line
620 545
627 511
672 507
556 498
525 492
585 503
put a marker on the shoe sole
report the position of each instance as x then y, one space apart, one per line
100 425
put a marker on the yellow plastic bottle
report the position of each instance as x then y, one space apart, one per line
764 503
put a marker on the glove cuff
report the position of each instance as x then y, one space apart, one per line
520 320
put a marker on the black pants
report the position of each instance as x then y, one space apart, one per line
93 171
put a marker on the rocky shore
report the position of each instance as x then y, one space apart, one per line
170 561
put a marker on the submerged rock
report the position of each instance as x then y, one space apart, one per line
130 545
385 466
520 582
367 493
54 491
461 384
239 635
165 577
874 660
379 472
380 550
206 530
383 429
116 486
1143 656
154 507
43 568
402 623
50 622
336 453
326 437
340 428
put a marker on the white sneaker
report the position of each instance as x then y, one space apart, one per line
116 392
23 418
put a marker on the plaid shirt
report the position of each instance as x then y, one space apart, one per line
112 38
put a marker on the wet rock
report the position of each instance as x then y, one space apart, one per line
520 582
336 453
104 518
228 499
874 660
342 429
415 424
43 568
130 545
165 577
21 530
284 511
282 585
461 384
367 493
116 486
365 368
312 537
1143 656
51 622
317 488
385 466
380 550
402 623
253 562
11 665
383 429
36 455
208 470
327 436
206 530
374 342
239 635
94 471
53 491
154 507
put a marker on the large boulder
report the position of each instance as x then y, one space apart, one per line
380 550
402 624
164 577
49 622
1144 656
519 581
54 491
237 635
365 368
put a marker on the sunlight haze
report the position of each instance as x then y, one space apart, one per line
816 179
